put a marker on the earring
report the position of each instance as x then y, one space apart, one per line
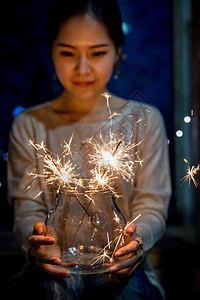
54 77
116 76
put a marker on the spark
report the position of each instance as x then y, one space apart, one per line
107 96
112 156
40 146
100 258
57 170
191 172
116 218
108 240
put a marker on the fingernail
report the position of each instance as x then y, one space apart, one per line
113 269
50 240
57 261
118 253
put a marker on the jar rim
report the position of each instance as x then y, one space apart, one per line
85 185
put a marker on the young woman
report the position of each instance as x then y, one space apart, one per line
85 39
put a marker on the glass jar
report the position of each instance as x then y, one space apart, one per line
88 227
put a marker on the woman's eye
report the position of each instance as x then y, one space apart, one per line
67 53
98 53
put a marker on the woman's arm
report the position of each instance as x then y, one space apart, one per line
150 196
29 211
152 190
21 161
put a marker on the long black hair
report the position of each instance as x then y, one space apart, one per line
105 11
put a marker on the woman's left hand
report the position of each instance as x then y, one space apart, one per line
134 252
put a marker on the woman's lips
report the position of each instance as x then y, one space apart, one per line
83 83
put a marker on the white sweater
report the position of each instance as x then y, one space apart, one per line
148 194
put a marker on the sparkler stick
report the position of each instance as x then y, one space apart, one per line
132 221
123 233
118 239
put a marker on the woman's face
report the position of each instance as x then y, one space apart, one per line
83 56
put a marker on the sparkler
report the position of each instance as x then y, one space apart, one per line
191 172
113 156
104 253
57 170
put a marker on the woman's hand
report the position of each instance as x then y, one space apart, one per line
39 248
133 252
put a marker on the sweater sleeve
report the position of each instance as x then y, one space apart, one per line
152 188
21 161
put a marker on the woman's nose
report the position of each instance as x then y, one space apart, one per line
83 65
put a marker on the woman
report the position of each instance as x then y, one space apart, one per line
85 39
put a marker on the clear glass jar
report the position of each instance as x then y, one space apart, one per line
88 227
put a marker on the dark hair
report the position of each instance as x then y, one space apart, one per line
106 11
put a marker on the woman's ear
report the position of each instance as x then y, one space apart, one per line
120 56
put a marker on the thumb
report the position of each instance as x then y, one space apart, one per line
39 228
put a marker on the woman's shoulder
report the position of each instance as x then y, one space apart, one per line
37 113
134 107
36 110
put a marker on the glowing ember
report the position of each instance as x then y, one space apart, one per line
113 156
191 172
57 170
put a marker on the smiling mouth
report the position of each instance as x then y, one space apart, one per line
83 84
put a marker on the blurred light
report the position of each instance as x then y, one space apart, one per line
179 133
187 119
127 27
17 110
5 156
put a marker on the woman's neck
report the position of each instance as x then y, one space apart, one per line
75 110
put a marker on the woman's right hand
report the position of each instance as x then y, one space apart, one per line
39 243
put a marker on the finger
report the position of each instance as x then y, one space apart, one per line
70 264
127 266
54 271
43 258
37 240
125 272
39 228
130 229
129 248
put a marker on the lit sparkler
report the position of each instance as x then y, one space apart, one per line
191 172
113 156
57 170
